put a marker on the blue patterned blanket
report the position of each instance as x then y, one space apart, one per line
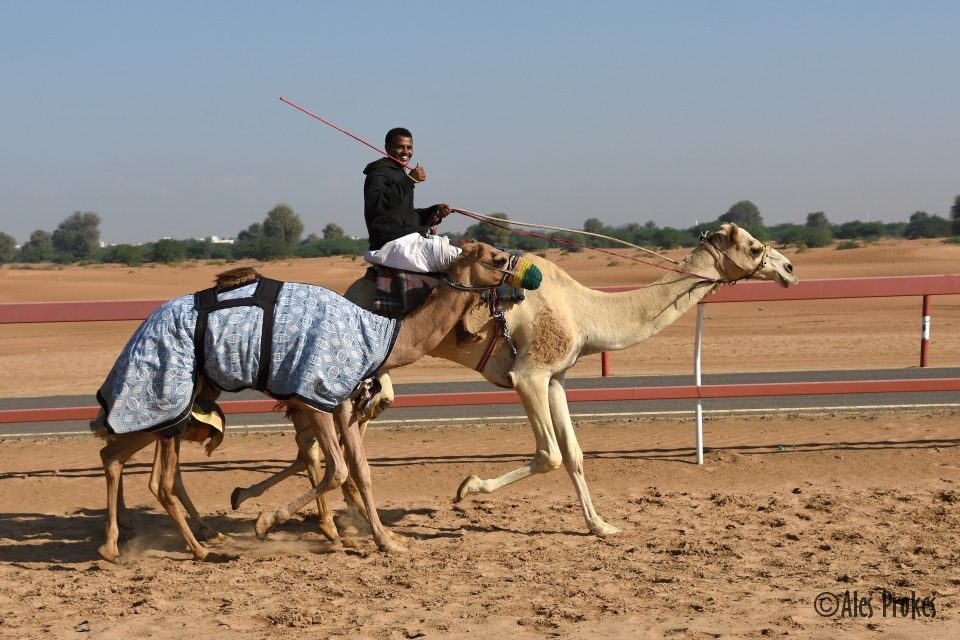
323 347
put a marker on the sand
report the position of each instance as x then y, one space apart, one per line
786 508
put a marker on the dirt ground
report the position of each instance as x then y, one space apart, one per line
784 510
789 513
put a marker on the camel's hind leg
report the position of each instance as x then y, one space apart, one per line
308 451
169 459
241 494
335 471
573 458
533 393
206 533
360 472
114 455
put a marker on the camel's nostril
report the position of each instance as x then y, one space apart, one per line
789 268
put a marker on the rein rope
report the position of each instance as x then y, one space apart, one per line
718 255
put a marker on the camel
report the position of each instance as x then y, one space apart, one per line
478 267
563 320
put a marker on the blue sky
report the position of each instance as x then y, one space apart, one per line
164 119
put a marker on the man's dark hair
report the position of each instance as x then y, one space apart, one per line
396 132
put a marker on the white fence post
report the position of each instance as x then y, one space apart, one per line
696 375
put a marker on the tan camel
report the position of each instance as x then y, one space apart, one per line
563 320
479 267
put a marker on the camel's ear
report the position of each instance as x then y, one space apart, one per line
734 234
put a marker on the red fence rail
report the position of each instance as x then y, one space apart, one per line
835 288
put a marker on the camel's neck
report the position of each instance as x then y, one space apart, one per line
422 330
612 321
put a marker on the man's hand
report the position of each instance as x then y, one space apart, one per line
418 174
443 210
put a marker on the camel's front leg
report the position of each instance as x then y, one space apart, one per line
533 393
573 458
113 455
360 472
335 471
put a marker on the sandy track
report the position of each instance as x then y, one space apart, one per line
785 509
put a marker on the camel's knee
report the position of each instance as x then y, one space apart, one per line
544 461
165 494
339 475
336 474
573 460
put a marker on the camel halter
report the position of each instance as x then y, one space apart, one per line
520 273
719 256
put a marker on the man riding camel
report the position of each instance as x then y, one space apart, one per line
401 236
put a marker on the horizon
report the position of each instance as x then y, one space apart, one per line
165 120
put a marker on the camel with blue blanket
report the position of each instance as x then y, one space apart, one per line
303 345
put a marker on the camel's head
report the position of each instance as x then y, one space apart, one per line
481 266
740 256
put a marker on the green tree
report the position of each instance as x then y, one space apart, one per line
593 225
168 251
284 225
744 214
955 216
247 240
817 220
332 231
77 237
39 248
817 232
8 247
490 233
924 225
128 254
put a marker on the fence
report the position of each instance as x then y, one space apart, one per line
835 288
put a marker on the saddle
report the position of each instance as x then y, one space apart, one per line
399 292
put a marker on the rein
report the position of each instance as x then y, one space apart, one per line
516 271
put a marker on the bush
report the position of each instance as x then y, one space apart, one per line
850 244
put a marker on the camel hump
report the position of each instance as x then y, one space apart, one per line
235 277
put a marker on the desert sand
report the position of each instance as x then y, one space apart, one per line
789 511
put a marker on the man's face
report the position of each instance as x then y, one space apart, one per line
401 148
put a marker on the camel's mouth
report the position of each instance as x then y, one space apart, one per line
786 279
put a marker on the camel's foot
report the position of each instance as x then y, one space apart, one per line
212 537
237 498
470 485
265 522
111 553
602 529
391 544
217 557
352 522
329 530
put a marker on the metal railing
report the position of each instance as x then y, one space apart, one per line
836 288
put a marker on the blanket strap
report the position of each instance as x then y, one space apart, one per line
265 297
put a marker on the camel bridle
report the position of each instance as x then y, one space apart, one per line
453 283
720 256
